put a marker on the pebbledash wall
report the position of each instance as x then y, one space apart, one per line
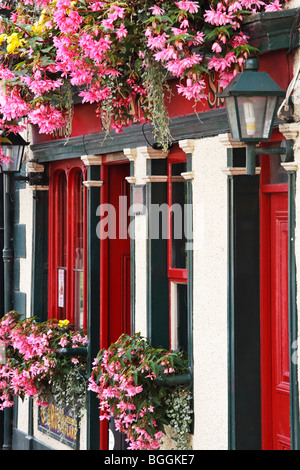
207 144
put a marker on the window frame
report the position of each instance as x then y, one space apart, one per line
70 169
175 275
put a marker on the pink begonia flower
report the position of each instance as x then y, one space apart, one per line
166 54
96 6
190 7
274 6
116 12
177 67
216 47
157 10
47 118
121 32
252 4
158 41
219 17
63 342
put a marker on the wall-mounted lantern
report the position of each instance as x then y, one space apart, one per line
252 100
14 150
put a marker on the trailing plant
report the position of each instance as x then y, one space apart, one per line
128 378
119 53
179 413
33 365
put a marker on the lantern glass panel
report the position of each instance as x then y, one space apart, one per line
232 117
14 160
256 116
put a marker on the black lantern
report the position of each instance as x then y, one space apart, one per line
252 100
14 150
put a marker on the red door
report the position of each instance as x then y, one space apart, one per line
274 318
115 318
119 254
279 322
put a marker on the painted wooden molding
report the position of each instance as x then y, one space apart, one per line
187 145
90 160
130 179
149 152
290 130
33 167
130 154
236 171
290 166
226 140
188 175
93 184
155 179
39 188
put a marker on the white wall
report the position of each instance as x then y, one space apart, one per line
210 294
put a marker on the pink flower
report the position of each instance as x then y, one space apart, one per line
274 6
63 342
157 10
191 7
47 118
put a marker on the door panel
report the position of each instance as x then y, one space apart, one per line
115 315
119 255
279 321
274 319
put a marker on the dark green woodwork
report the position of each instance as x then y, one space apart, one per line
157 279
132 262
184 127
230 308
8 256
293 316
93 302
20 241
274 30
243 310
39 291
190 272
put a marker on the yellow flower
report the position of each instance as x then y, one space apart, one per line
39 25
63 323
14 42
2 38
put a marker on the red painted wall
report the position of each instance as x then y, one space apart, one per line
278 64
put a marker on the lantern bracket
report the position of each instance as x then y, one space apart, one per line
286 150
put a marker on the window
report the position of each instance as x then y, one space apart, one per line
177 259
66 242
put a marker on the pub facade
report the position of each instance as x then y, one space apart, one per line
224 289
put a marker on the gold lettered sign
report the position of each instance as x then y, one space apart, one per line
59 424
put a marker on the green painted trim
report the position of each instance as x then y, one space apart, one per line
230 310
149 262
39 276
157 269
132 262
274 30
293 317
190 273
212 123
93 302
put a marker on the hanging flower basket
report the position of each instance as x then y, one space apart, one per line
120 56
33 365
132 382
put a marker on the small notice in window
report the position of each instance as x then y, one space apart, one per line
61 287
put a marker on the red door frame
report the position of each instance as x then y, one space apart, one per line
69 168
104 266
265 298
